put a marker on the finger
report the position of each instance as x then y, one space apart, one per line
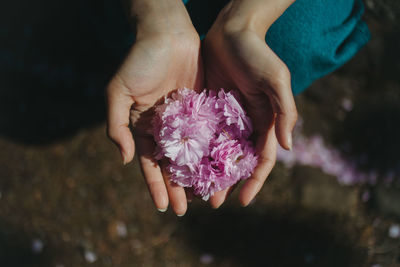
266 146
152 173
218 198
282 100
118 110
176 194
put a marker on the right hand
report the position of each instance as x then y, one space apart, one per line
237 57
156 64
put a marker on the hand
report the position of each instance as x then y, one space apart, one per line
160 61
237 57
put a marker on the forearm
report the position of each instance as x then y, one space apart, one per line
158 17
255 15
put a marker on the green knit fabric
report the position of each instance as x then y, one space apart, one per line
313 37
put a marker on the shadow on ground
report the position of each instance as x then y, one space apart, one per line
254 237
16 249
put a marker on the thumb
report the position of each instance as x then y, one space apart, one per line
282 101
118 109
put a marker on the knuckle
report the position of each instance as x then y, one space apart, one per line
281 78
289 112
112 134
294 114
149 164
265 164
154 183
111 86
258 180
278 75
266 161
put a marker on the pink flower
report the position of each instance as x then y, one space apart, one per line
314 152
204 138
185 145
245 164
224 159
181 175
234 113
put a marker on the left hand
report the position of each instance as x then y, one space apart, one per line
237 57
165 56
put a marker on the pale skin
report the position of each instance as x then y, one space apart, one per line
168 55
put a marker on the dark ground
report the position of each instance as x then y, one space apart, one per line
63 187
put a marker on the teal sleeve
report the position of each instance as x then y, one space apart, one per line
313 37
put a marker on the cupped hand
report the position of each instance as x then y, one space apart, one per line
156 64
237 57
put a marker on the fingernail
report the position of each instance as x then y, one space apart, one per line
162 210
216 206
180 215
290 142
243 205
251 202
124 160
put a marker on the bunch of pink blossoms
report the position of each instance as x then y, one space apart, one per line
205 139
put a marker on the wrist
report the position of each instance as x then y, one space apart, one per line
150 17
252 15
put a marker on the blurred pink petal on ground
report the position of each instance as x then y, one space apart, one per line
314 152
